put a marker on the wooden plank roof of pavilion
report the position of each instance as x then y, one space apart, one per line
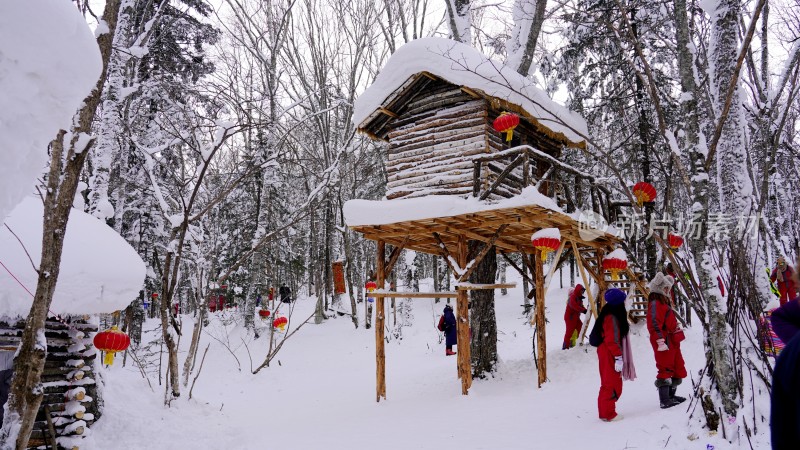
520 221
424 62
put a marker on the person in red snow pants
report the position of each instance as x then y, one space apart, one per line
572 315
610 379
609 329
665 338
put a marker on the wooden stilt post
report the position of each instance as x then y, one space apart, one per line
380 350
593 306
462 324
541 347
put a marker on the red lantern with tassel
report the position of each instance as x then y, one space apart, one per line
505 123
644 192
675 241
264 314
280 323
111 341
615 263
546 240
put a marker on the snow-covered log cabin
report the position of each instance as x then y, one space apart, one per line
435 102
100 273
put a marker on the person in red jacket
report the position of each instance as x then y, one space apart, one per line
665 338
608 333
572 315
782 274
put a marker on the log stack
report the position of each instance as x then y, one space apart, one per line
70 403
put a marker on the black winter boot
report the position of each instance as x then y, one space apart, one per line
664 398
677 398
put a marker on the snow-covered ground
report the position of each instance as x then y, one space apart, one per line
321 394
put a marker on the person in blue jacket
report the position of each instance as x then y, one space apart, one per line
450 332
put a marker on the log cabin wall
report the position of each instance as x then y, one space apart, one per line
431 141
435 135
70 390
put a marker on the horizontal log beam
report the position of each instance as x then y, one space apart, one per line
444 294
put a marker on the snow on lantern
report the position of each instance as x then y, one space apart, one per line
264 314
371 287
615 262
546 240
111 341
675 241
505 123
280 323
644 192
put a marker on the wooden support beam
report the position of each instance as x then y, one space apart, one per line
541 339
446 294
445 253
380 350
395 254
388 113
462 325
487 246
500 178
592 302
479 287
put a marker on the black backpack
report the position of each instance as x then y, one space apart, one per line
596 336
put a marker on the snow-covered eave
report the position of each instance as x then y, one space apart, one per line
496 102
365 213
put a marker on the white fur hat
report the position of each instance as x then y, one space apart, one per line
661 284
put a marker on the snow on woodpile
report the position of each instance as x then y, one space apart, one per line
617 254
376 212
551 233
49 62
464 65
100 272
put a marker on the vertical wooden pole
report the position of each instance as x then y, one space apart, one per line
380 351
541 352
462 324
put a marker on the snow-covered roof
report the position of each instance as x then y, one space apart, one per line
49 62
381 212
100 272
465 66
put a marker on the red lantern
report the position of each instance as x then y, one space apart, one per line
280 323
546 245
371 286
264 314
644 192
615 266
675 241
505 123
546 240
111 341
155 295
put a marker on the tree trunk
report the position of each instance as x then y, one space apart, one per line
459 20
483 322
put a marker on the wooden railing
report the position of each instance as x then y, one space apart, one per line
516 168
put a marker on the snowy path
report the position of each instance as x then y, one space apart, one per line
322 396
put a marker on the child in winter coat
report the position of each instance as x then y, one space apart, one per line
782 274
610 330
572 315
665 338
450 332
785 407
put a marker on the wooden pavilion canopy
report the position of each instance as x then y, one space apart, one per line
519 223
